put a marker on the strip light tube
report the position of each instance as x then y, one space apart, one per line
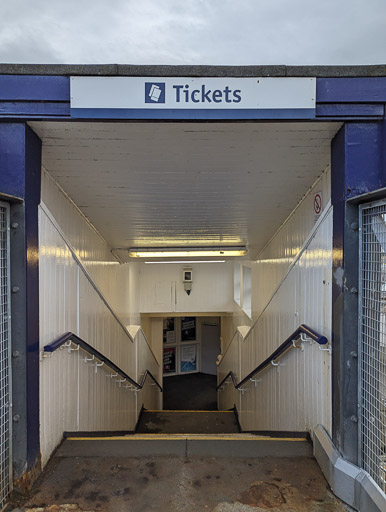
183 252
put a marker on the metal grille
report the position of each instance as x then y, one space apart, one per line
372 303
5 435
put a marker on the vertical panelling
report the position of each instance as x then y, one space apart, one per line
291 285
73 396
59 374
149 396
118 283
212 288
276 257
228 396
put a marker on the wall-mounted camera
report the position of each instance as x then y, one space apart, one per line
187 278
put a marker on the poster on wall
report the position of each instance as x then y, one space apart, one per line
188 328
169 334
169 360
188 358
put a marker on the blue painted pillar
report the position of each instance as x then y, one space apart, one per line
20 184
358 170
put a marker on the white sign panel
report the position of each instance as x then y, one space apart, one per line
148 96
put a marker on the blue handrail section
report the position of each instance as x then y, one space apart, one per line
70 336
302 329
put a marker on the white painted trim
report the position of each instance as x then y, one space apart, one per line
244 330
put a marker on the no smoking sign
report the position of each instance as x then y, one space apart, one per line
317 203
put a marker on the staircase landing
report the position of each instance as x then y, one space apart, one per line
188 422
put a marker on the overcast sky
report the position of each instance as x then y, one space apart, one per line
193 31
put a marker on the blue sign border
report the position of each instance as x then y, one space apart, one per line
220 114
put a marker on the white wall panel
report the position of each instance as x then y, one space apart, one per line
212 288
274 260
73 397
118 283
290 286
147 361
229 397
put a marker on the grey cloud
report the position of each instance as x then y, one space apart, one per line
194 31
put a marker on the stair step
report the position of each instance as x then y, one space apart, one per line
185 445
187 422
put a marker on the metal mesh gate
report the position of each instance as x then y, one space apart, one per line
5 399
372 329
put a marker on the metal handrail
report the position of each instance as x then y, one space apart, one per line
83 269
70 336
302 329
291 266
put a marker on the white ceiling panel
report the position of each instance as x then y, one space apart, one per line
174 184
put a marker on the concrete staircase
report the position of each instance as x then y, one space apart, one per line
182 461
188 422
185 445
182 472
185 434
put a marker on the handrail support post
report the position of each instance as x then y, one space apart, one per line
304 338
301 346
45 355
98 365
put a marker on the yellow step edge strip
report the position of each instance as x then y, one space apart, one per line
188 437
180 410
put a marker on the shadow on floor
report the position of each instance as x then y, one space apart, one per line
194 392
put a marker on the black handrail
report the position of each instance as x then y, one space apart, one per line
322 340
70 336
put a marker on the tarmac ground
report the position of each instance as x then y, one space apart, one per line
181 484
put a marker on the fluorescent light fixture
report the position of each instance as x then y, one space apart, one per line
179 262
183 252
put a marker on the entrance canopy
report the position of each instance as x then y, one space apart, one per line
197 184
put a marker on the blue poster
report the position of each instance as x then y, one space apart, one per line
189 358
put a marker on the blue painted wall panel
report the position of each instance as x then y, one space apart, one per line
32 109
12 159
34 88
33 163
358 166
20 176
365 146
351 90
350 110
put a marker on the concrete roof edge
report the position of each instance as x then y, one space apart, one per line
193 70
